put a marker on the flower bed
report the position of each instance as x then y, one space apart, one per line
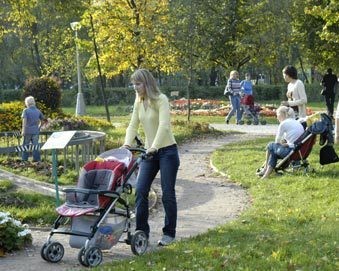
203 107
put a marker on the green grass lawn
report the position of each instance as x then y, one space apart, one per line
292 223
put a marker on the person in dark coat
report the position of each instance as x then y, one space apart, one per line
329 83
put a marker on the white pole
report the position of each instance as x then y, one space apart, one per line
80 105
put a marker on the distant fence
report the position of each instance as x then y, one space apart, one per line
84 146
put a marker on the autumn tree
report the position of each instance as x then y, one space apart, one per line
38 37
129 36
320 28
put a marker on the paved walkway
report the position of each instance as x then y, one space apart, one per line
205 201
268 129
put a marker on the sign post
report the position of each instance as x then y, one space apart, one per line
58 140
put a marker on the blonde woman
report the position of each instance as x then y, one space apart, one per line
152 111
233 89
289 130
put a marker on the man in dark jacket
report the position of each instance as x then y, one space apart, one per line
329 84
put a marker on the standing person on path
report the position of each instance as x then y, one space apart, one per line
31 121
289 130
246 93
329 83
246 85
296 94
151 110
233 89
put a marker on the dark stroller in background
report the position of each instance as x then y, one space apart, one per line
98 210
250 111
297 158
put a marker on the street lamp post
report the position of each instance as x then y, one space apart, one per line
80 106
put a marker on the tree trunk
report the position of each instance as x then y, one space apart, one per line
302 68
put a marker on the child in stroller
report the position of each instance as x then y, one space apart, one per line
98 209
250 111
247 107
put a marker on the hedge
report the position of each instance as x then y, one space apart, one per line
126 95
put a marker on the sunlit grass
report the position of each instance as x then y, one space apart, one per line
292 223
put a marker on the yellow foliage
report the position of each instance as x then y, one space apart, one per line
11 111
129 34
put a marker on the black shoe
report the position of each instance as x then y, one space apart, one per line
227 121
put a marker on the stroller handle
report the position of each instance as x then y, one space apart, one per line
143 155
141 150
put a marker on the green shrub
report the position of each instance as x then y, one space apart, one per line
11 111
118 95
9 95
13 235
269 92
5 185
45 90
66 124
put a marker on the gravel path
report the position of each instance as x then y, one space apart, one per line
205 200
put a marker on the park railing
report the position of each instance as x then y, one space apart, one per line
83 147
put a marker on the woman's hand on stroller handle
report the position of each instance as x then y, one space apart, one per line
151 151
144 153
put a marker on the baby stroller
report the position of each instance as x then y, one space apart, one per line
250 111
98 210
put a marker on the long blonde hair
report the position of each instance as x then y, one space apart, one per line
286 111
144 76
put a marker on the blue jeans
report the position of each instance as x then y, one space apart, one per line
167 161
34 139
277 151
235 102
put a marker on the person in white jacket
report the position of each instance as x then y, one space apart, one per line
296 94
289 130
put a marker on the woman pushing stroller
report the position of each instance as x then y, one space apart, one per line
152 111
289 130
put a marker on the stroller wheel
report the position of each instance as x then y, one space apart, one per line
93 256
81 257
263 122
249 122
53 252
43 252
139 243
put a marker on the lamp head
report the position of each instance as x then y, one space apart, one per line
75 26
